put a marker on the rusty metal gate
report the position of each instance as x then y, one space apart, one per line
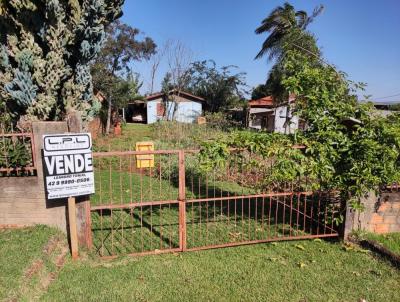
170 205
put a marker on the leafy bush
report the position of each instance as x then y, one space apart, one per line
221 121
15 153
174 135
348 147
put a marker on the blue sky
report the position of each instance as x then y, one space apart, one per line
362 38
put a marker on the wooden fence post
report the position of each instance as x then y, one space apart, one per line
72 227
182 201
83 221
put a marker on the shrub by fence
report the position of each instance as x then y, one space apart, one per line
17 156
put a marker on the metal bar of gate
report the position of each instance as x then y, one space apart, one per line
182 202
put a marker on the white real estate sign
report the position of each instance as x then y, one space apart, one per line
68 165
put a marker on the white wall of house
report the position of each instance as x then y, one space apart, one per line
182 111
284 121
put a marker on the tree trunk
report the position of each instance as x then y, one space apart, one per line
108 125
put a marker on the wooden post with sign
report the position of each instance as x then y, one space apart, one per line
72 227
68 173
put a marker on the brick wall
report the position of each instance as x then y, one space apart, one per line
381 215
386 215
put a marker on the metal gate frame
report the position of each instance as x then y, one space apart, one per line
182 202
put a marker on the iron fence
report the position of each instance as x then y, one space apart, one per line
151 202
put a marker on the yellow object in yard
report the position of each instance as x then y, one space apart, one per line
145 160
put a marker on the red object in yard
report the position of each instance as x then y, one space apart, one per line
117 129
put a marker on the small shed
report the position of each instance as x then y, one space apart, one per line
178 106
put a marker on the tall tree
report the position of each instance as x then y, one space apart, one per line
282 22
179 58
114 62
287 30
259 92
222 88
46 50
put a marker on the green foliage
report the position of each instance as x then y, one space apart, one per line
46 49
352 149
14 153
347 146
221 121
124 91
270 155
221 88
112 72
260 91
287 29
283 22
175 135
213 155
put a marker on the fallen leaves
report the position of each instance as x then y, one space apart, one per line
300 247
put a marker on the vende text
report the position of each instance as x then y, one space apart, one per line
64 164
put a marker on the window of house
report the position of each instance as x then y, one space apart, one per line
160 109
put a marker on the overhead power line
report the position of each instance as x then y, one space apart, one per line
387 97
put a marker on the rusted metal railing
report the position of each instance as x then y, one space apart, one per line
169 204
136 206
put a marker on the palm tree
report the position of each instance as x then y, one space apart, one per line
279 24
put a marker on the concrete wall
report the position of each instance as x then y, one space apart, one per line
381 214
186 111
22 199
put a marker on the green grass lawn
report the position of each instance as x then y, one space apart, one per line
286 271
18 248
390 241
313 270
131 134
165 135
